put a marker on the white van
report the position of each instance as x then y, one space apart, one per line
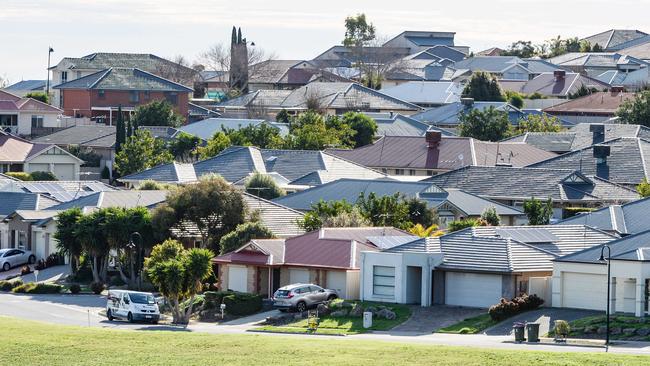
132 306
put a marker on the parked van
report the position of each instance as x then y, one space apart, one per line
132 306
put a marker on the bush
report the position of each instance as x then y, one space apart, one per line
116 281
25 270
508 308
214 298
106 174
37 288
562 327
20 175
97 287
7 286
238 303
75 289
43 176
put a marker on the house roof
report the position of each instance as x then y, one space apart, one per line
12 201
600 60
341 56
634 247
451 153
563 185
613 38
11 102
16 150
90 136
395 124
449 114
104 60
426 92
126 199
495 249
206 128
257 251
628 162
281 220
62 191
601 103
350 189
547 84
169 173
115 78
629 218
27 85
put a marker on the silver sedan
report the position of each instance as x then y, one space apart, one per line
10 258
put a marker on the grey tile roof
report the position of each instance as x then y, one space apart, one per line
558 142
523 183
390 241
104 60
25 85
123 79
126 199
496 64
620 249
449 114
547 84
596 60
90 136
426 92
628 163
630 218
206 128
349 190
12 201
281 220
400 125
614 38
168 173
61 191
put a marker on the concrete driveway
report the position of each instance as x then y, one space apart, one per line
426 320
546 318
53 273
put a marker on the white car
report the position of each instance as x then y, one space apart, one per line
132 306
10 258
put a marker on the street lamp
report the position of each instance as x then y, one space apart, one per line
132 245
609 268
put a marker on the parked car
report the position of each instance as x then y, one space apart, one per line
10 258
132 306
301 296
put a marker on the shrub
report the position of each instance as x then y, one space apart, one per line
238 303
9 285
508 308
75 289
97 287
106 174
214 298
37 288
25 270
562 327
116 281
20 175
43 176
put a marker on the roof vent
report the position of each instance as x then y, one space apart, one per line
559 75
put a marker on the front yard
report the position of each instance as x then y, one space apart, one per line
621 327
473 325
34 343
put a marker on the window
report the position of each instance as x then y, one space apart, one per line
37 121
411 171
429 172
64 76
101 93
172 98
134 96
383 280
399 171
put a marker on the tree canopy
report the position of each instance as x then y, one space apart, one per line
242 234
184 147
483 87
636 111
538 213
364 128
358 32
538 123
157 113
141 151
40 96
216 144
643 188
263 185
487 125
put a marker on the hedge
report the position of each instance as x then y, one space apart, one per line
9 285
238 303
508 308
37 288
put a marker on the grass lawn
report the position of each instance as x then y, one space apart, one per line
617 324
472 325
31 343
346 324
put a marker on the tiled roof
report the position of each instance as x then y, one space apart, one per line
547 84
90 136
426 92
61 191
104 60
396 124
206 128
12 201
16 150
27 85
562 185
606 103
168 173
449 114
620 249
630 218
123 79
126 199
613 38
281 220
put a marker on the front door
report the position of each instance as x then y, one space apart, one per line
276 279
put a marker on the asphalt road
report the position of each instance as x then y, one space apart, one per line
83 310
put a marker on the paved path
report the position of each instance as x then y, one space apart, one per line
426 320
83 310
45 275
546 318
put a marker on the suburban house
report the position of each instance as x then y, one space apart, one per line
511 186
616 39
426 94
328 257
492 51
24 87
12 202
99 95
198 113
592 108
72 68
291 169
440 53
580 279
595 63
621 161
395 124
333 98
288 75
473 267
451 204
434 153
581 136
506 67
18 155
416 41
342 60
206 128
60 191
409 70
98 139
555 84
22 116
621 220
448 115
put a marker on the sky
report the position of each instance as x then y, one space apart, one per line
287 28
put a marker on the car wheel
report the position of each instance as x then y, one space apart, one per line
32 259
331 297
6 267
301 307
130 318
109 315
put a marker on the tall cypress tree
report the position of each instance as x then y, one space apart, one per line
233 37
129 129
119 131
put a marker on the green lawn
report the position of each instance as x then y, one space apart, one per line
29 343
472 325
617 322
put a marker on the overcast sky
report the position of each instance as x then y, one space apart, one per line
291 29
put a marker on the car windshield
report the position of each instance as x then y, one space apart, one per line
282 292
141 298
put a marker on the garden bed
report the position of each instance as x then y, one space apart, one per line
473 325
622 327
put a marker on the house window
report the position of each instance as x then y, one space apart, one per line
101 93
37 121
429 172
172 98
383 280
411 171
134 96
64 76
399 171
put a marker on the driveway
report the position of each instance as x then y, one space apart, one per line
546 317
426 320
46 275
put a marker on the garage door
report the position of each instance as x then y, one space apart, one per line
584 291
298 276
336 281
39 168
237 278
64 171
471 289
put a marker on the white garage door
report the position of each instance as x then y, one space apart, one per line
584 291
64 171
298 276
237 278
471 289
336 280
39 168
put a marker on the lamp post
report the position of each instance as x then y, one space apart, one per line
49 53
609 268
132 245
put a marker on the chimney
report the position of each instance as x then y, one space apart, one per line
433 139
391 114
597 133
601 152
617 89
559 75
467 102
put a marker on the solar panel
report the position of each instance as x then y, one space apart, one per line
528 235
